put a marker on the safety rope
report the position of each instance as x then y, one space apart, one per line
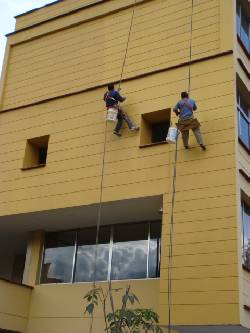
99 215
171 229
127 45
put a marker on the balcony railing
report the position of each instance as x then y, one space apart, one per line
243 35
243 128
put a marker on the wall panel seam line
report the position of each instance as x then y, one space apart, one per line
139 76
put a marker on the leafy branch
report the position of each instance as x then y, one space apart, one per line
123 319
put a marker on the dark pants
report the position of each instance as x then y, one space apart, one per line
120 118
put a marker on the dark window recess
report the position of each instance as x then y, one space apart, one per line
159 132
42 155
154 127
36 152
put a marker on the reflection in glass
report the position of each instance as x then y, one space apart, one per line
243 129
242 21
245 234
125 251
154 250
129 258
243 119
87 269
58 257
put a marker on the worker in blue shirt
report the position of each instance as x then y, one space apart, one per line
184 109
112 98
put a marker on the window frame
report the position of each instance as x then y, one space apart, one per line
148 121
241 114
239 28
243 205
111 248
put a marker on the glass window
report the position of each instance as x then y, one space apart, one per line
243 120
58 257
245 211
154 250
125 251
130 249
243 24
87 268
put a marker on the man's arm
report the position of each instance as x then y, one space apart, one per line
119 97
176 109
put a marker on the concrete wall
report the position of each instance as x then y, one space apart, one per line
60 308
14 306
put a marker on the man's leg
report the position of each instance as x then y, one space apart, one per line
129 122
185 137
198 137
119 123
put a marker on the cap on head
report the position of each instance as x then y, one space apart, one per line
111 86
184 94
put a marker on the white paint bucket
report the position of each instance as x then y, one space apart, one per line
111 115
172 135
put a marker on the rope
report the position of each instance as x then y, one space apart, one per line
190 47
99 216
171 229
126 50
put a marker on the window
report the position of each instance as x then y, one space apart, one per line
243 26
130 250
154 127
243 116
245 219
86 267
36 152
124 251
58 257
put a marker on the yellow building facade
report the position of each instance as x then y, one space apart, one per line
58 158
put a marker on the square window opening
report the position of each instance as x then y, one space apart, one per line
154 127
36 152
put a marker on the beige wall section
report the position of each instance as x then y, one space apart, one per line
60 308
75 125
47 12
14 306
63 59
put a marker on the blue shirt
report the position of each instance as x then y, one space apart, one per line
112 98
186 106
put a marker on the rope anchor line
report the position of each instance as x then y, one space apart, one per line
99 214
171 231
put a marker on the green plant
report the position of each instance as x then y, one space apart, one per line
123 319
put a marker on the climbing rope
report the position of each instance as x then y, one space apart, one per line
99 214
171 228
127 45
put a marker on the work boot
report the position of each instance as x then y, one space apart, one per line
117 133
134 128
186 147
203 147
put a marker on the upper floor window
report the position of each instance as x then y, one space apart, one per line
243 26
245 219
243 108
124 251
